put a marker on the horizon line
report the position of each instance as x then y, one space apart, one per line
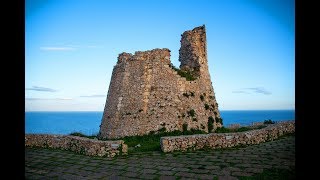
219 110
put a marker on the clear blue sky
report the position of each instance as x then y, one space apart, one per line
71 47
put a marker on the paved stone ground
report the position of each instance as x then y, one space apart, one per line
214 164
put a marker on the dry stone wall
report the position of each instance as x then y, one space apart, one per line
146 94
224 140
91 147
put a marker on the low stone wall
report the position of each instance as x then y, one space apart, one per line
224 140
91 147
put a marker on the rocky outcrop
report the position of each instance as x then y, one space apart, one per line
224 140
147 93
91 147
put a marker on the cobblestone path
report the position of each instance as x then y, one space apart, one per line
213 164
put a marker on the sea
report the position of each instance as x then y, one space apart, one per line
88 122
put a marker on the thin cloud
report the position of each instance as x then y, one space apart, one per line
64 99
72 45
259 90
92 46
94 96
45 99
57 48
241 92
38 88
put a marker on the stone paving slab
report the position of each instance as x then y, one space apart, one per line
213 164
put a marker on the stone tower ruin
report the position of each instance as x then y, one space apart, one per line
148 94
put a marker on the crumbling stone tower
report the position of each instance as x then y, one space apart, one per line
148 94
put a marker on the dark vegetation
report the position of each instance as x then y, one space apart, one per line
182 73
82 135
210 124
240 129
191 113
151 141
219 120
202 97
206 106
269 121
186 94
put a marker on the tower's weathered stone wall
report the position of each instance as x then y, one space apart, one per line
147 94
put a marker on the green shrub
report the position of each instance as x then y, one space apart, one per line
206 106
210 124
269 121
78 134
219 120
173 67
182 73
202 97
185 127
162 129
192 94
187 75
195 119
196 131
83 135
222 130
191 113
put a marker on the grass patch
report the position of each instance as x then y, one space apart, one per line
274 174
151 142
